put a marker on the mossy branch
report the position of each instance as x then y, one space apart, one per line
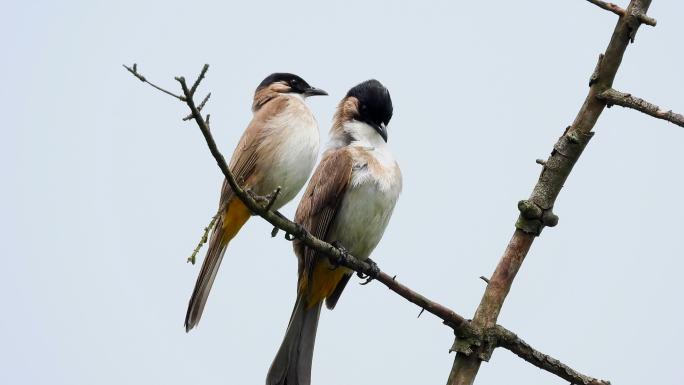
205 236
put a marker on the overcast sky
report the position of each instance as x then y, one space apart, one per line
106 191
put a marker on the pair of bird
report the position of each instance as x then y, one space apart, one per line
349 199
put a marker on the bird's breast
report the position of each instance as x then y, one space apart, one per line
290 152
368 204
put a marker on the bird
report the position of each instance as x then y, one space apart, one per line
278 150
348 202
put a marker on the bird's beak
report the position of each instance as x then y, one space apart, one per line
382 130
313 91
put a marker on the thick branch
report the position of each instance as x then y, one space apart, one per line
536 212
614 97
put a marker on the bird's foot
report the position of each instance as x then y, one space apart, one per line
271 198
372 273
335 262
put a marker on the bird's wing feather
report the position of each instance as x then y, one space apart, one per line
245 167
246 155
320 203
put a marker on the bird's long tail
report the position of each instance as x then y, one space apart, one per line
232 220
292 364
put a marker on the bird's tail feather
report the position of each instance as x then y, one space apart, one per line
228 225
292 364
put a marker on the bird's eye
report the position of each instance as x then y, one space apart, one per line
293 81
363 106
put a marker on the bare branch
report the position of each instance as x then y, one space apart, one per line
616 9
134 71
614 97
199 108
448 316
508 340
537 211
200 77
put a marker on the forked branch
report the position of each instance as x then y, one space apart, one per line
616 9
537 211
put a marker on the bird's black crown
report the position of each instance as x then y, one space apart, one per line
375 103
296 83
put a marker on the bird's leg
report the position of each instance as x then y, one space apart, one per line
263 200
252 194
372 273
271 198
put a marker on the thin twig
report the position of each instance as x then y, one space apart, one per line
134 71
200 77
614 97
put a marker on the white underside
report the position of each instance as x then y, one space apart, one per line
369 201
290 151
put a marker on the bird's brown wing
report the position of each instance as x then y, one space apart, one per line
245 167
246 153
318 208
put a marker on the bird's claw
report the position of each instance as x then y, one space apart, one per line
372 274
271 198
335 262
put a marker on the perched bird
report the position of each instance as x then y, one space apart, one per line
278 149
348 201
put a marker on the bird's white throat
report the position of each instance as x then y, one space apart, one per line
361 134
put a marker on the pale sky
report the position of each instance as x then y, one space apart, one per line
106 191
